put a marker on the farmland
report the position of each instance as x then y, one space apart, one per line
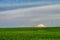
31 33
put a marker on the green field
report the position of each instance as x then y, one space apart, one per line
51 33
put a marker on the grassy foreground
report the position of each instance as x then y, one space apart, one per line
30 33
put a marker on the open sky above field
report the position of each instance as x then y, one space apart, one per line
29 12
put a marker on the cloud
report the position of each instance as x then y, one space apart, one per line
5 5
31 16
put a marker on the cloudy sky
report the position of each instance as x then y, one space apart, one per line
14 13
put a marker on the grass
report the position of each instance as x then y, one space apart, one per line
51 33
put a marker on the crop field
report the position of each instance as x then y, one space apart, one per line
48 33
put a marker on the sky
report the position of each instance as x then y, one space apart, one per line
22 13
